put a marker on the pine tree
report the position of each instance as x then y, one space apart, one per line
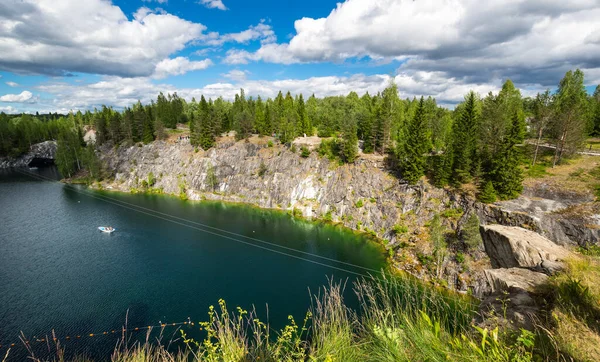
416 147
305 126
463 150
349 144
487 193
506 174
259 115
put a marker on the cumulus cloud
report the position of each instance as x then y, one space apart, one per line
213 4
236 74
179 66
122 92
262 32
58 37
17 98
9 110
12 84
530 41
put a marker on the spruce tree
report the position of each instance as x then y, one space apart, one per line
416 147
305 126
463 150
506 174
487 193
349 145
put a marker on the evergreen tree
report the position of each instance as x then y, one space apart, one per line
416 146
349 144
463 150
506 174
487 193
259 116
305 126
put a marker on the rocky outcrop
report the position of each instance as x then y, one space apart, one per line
522 260
359 196
507 279
510 247
39 154
566 218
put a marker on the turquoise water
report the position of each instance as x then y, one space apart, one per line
57 271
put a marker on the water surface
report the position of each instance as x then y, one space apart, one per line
57 271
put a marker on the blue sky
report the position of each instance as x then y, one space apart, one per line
61 55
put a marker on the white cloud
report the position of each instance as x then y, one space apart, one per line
57 37
213 4
123 92
12 84
261 31
158 1
179 66
17 98
530 41
9 110
236 74
271 53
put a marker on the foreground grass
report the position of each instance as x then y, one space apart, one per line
575 314
399 320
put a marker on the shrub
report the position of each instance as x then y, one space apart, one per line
359 204
470 232
400 229
151 179
262 169
304 152
270 144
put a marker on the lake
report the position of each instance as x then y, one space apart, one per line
168 260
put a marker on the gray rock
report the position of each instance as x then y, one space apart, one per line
510 247
44 150
511 279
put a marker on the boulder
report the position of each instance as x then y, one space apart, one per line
515 247
511 279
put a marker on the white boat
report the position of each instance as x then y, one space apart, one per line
107 229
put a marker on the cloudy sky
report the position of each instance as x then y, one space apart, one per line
61 55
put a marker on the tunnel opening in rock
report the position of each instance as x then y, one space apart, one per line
40 162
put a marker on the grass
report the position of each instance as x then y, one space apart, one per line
399 319
574 324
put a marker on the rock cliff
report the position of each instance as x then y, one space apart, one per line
43 153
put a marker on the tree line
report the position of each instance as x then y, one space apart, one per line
480 141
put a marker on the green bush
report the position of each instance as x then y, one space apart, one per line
304 152
262 169
400 229
359 204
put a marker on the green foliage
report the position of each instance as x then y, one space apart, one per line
470 232
211 177
151 180
487 193
270 143
399 229
359 203
262 169
506 174
463 149
590 250
304 152
416 146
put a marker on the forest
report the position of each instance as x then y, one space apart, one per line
481 141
